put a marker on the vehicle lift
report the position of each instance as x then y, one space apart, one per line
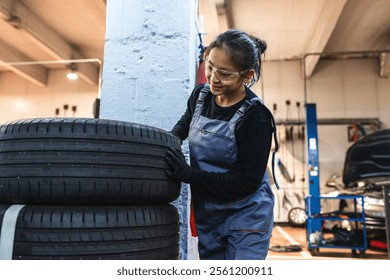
313 200
313 162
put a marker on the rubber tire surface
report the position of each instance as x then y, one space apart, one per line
96 232
85 161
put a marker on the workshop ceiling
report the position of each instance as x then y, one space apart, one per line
46 30
293 28
41 30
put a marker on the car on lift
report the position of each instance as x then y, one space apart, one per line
366 172
374 205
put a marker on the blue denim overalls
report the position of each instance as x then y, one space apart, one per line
238 229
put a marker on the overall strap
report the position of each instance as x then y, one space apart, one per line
241 112
203 93
275 150
243 109
202 97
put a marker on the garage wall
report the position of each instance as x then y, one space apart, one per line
21 99
348 88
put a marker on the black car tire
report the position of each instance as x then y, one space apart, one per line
85 161
96 232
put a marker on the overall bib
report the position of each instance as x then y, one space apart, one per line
237 229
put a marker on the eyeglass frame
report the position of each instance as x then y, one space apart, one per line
222 72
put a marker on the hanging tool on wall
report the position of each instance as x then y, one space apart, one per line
355 132
284 171
301 136
74 109
281 163
301 141
201 75
66 107
282 139
287 204
301 129
279 194
290 137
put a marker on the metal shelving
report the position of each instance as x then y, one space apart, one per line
315 219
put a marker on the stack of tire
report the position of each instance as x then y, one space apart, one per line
87 189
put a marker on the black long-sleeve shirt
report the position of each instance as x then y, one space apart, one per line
253 136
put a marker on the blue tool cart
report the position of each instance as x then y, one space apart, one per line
316 233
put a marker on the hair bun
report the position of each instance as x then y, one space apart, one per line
260 44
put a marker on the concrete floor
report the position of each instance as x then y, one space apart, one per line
287 235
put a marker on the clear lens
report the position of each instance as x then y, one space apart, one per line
220 73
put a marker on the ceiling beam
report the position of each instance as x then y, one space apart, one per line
5 7
328 17
36 74
229 13
208 17
22 18
222 17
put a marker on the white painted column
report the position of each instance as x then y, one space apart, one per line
149 68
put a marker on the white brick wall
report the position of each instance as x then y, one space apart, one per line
149 69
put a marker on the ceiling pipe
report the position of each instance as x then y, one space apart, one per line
383 59
60 61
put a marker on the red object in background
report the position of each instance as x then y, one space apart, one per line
200 79
378 244
194 233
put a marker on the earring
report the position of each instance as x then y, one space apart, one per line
249 82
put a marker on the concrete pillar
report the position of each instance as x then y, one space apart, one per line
149 68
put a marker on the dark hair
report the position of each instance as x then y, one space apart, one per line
245 50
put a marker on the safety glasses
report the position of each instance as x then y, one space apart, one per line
223 75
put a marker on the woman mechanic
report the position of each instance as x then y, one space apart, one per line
229 132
